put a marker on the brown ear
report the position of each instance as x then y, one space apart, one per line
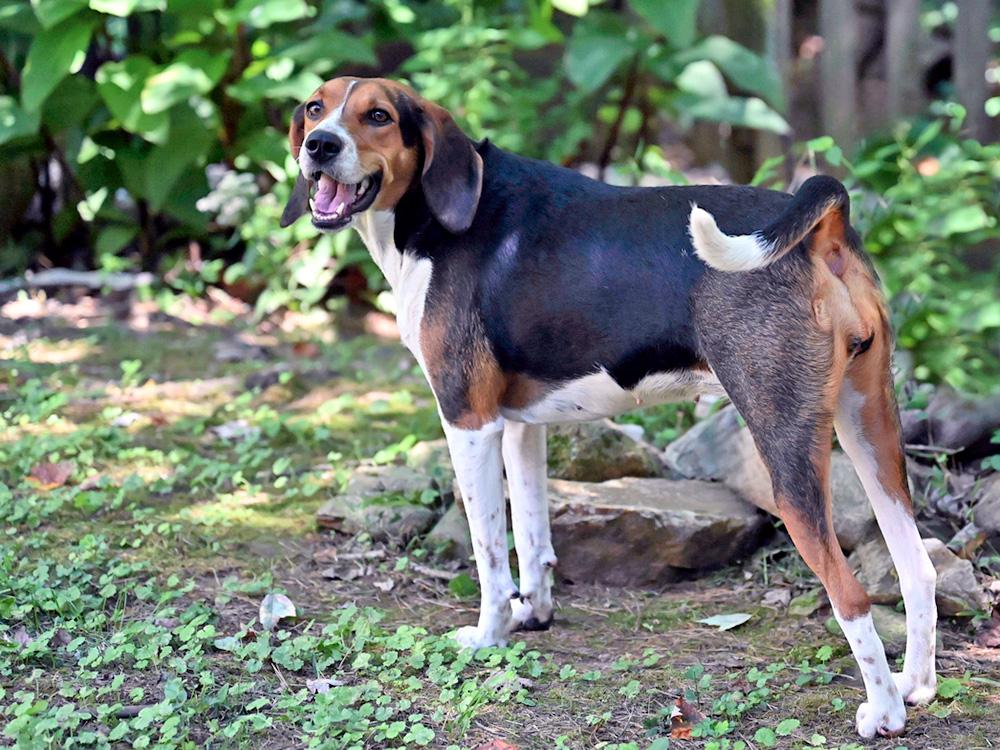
453 171
298 202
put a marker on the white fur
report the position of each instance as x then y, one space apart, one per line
408 276
724 252
918 681
525 461
476 455
884 712
598 395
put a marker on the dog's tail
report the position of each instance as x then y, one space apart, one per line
818 198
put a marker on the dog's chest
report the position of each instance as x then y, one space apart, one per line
408 276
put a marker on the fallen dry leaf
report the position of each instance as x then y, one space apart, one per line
497 745
21 637
273 609
306 349
387 585
683 718
49 475
322 684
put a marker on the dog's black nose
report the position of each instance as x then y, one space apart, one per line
323 146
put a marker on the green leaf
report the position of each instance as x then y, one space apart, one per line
263 13
965 219
125 8
72 101
703 80
746 69
748 113
120 84
15 122
726 622
193 72
675 19
51 12
188 142
52 55
327 49
765 737
576 8
252 90
600 45
787 726
463 587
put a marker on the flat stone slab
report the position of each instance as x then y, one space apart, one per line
643 532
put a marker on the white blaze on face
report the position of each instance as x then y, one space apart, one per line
347 168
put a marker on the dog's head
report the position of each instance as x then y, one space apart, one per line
363 143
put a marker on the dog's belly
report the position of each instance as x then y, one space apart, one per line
598 395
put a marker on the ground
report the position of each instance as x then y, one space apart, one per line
159 472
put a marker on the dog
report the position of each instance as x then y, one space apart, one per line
530 294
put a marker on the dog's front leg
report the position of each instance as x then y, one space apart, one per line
476 455
524 458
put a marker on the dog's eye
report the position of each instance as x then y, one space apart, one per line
379 116
314 110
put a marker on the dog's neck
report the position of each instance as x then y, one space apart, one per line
409 276
376 229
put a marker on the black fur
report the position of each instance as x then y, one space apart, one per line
567 275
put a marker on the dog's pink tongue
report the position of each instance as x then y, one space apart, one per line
331 197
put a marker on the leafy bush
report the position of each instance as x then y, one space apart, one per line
111 110
930 214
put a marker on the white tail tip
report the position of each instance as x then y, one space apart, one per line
724 252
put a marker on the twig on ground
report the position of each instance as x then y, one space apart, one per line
57 277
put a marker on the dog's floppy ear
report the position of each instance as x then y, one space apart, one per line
453 171
298 202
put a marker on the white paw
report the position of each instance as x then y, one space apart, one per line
885 720
916 691
472 637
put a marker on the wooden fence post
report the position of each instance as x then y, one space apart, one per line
971 54
838 25
902 36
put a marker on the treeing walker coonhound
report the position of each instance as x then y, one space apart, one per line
530 294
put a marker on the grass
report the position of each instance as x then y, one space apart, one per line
154 489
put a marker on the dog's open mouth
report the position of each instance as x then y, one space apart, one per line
334 203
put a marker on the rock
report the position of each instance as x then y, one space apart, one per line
853 517
873 565
958 592
431 458
598 451
963 423
720 449
987 510
383 501
645 532
450 536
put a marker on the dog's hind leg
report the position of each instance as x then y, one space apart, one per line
780 359
525 461
867 424
476 456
